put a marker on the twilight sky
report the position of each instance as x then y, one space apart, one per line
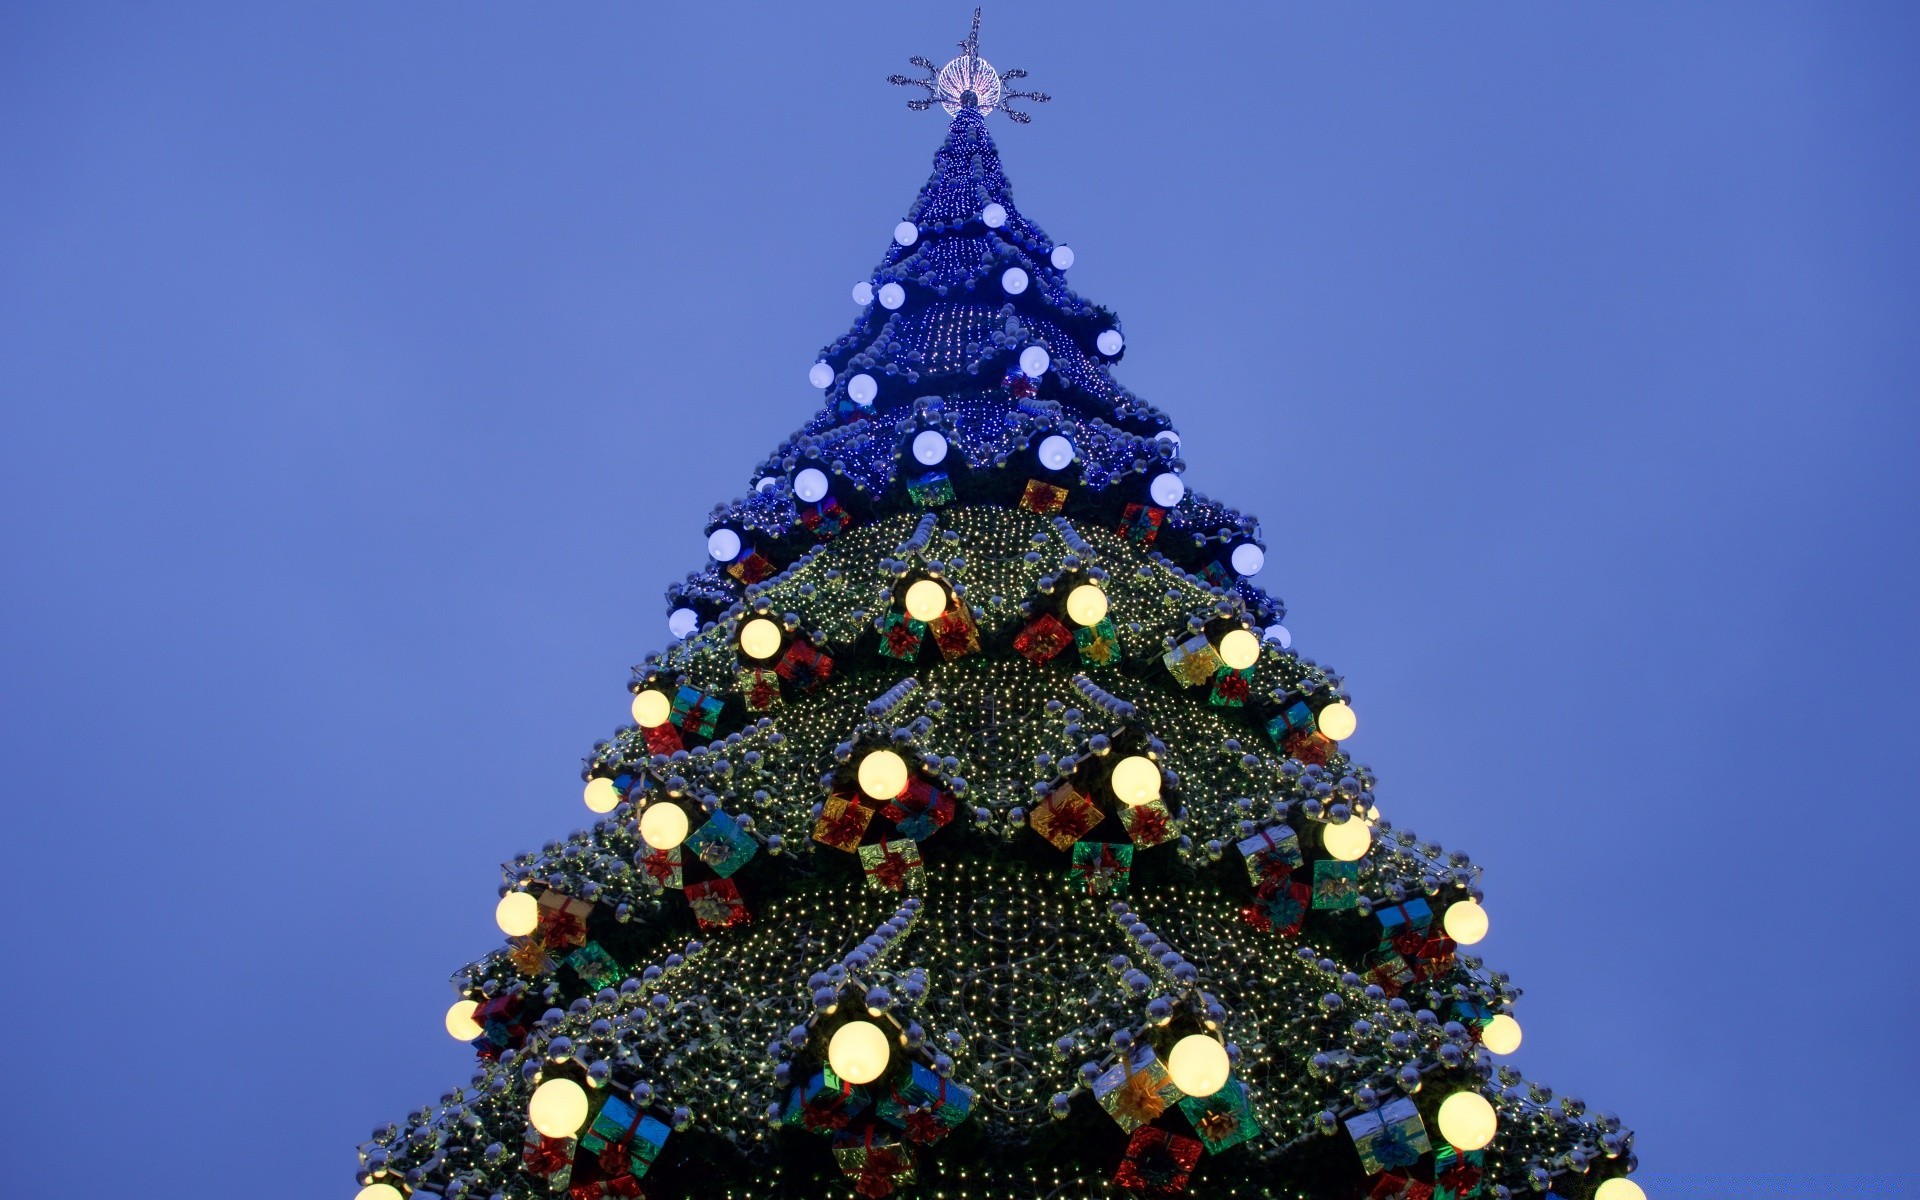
367 371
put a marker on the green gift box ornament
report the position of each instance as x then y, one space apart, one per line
721 844
619 1123
1098 643
1336 884
1101 868
931 490
1222 1120
595 967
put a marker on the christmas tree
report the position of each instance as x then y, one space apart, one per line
981 834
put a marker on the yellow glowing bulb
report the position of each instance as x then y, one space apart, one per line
1467 1121
1619 1188
1086 604
663 825
1136 780
760 638
1501 1035
601 795
1198 1065
517 914
858 1052
1348 841
558 1108
883 774
378 1191
1465 922
926 600
1239 649
1336 721
460 1022
651 708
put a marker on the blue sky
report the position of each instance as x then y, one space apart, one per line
368 370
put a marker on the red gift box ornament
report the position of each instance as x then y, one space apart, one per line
1044 639
1158 1163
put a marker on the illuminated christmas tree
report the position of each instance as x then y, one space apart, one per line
981 834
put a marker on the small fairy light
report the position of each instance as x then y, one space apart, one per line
820 375
378 1191
517 914
1336 721
1198 1065
760 639
926 600
1619 1188
1501 1035
663 825
858 1052
460 1023
600 794
882 774
1055 452
1014 280
1136 781
651 708
1467 1121
1465 921
1239 649
558 1108
1086 604
906 233
1348 841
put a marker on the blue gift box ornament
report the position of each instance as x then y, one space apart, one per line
1296 717
1390 1136
1396 919
619 1123
925 1105
721 844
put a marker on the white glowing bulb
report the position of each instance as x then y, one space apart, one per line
1086 604
1501 1035
1055 452
558 1108
1467 1121
906 233
1034 361
858 1052
1062 257
892 296
861 389
765 483
820 375
1465 921
925 600
1170 438
1136 780
1109 342
1198 1065
517 914
883 775
1166 489
1014 280
1619 1188
809 484
1279 635
682 622
863 293
1336 721
601 796
1248 558
1349 840
663 825
651 708
460 1022
1239 649
993 216
929 447
760 639
378 1191
723 545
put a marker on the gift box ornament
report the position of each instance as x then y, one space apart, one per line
803 666
595 967
1309 748
894 866
1473 1014
662 739
1390 1136
1231 688
1430 956
824 519
1222 1120
549 1160
1390 971
1157 1162
1398 1185
500 1023
563 919
843 822
752 568
875 1159
954 633
1140 523
926 1106
623 1133
1043 498
759 688
1019 384
621 1186
900 636
1279 905
717 904
921 811
1098 643
1271 854
530 956
1336 884
826 1103
1101 868
662 867
1043 639
1149 824
1064 816
1193 662
1135 1090
1397 920
1457 1176
721 844
1216 575
931 490
1293 717
695 712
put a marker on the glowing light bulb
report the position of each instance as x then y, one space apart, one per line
1239 649
378 1191
651 708
1467 1121
994 215
1166 489
760 638
1465 921
1198 1065
1086 604
861 389
1348 841
460 1023
929 448
1109 342
810 484
883 774
1136 780
600 794
1336 721
1055 452
517 914
723 545
1619 1188
1061 258
558 1108
906 233
1034 361
892 296
1014 280
926 600
682 622
863 293
663 825
1248 558
1501 1035
820 375
858 1052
